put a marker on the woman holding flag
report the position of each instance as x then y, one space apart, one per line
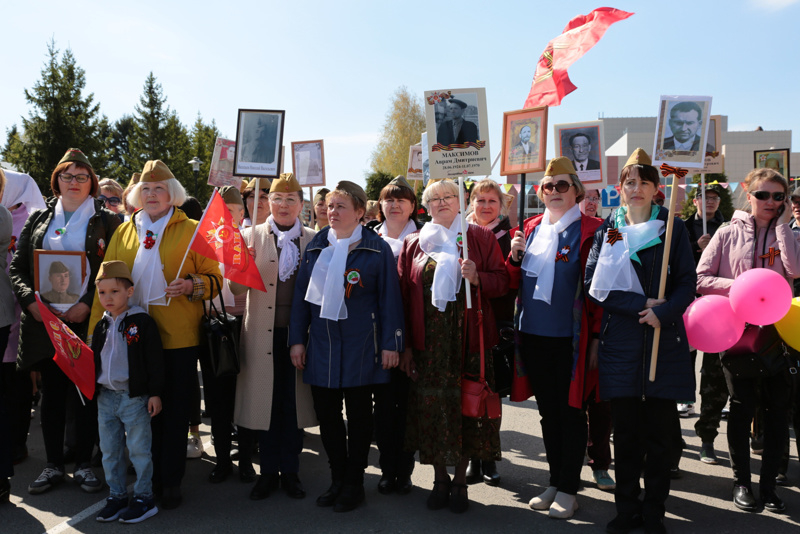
170 280
623 275
73 221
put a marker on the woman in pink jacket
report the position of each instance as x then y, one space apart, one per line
760 237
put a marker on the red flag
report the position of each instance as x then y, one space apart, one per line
551 82
73 356
218 237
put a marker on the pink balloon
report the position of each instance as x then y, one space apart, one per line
711 324
760 296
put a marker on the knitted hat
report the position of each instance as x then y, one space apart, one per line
76 156
401 181
57 267
639 157
156 171
353 190
286 183
558 166
114 269
231 195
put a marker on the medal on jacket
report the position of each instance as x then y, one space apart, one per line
353 277
562 255
132 334
101 248
613 236
60 231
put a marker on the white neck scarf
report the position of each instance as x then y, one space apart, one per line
540 257
150 286
290 255
326 287
62 235
441 245
396 244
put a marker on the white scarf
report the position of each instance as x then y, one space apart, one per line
396 244
290 255
441 245
150 286
21 189
614 271
326 287
62 235
540 257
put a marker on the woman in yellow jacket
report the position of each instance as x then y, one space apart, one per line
153 244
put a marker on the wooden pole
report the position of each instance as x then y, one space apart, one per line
522 200
703 191
662 284
313 216
464 247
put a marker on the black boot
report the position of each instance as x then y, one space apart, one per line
329 497
350 497
474 471
490 474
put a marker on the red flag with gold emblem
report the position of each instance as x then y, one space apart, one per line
73 356
218 237
551 82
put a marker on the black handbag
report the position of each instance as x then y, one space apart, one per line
503 359
759 352
222 336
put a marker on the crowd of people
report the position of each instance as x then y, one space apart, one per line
372 324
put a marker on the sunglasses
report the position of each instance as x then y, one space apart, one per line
764 195
112 201
562 186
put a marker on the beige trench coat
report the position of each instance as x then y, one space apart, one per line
254 384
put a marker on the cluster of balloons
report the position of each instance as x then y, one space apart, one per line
760 296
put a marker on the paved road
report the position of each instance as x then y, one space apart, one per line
699 502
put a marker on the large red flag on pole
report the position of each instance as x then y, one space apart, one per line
551 82
73 356
218 237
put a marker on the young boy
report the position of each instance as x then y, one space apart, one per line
130 378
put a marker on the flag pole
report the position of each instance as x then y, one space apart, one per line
703 191
311 202
192 240
80 395
522 199
464 247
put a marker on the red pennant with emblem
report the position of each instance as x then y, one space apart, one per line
73 356
218 237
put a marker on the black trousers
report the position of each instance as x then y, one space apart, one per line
19 397
774 395
599 447
57 391
281 445
643 427
347 450
548 362
7 403
220 395
391 408
169 427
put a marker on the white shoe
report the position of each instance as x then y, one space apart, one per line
685 410
194 446
563 506
543 501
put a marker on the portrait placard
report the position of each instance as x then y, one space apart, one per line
524 141
458 133
426 165
583 144
776 159
60 277
221 172
308 162
682 131
414 171
259 140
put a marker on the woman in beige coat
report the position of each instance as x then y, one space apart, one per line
271 397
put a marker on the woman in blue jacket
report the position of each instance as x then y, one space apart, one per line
622 276
346 332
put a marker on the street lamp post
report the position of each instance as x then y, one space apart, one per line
195 163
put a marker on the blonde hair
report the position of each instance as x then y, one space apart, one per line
445 186
756 176
488 185
111 184
177 194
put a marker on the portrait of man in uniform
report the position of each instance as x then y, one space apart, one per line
261 141
59 278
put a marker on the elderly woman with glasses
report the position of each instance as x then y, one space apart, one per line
74 221
111 195
443 344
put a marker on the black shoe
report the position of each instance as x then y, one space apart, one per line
5 490
403 485
474 472
675 473
265 485
171 498
440 495
292 486
459 500
771 501
329 497
782 480
622 524
654 525
386 485
246 472
490 474
220 472
743 498
351 496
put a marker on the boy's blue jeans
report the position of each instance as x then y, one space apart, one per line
118 414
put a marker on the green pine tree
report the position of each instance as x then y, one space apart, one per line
202 138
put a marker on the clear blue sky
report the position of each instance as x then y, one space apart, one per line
334 65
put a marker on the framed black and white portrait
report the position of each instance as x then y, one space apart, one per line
259 138
682 131
308 162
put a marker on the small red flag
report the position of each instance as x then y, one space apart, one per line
218 237
551 82
73 356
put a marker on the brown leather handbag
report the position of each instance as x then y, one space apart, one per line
477 398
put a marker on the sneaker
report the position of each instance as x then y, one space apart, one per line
114 507
604 480
194 446
707 454
725 412
685 409
139 510
782 480
85 478
51 476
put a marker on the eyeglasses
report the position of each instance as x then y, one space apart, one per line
562 186
711 199
447 199
764 195
112 201
67 178
593 199
289 201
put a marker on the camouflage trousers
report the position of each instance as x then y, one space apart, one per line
713 398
